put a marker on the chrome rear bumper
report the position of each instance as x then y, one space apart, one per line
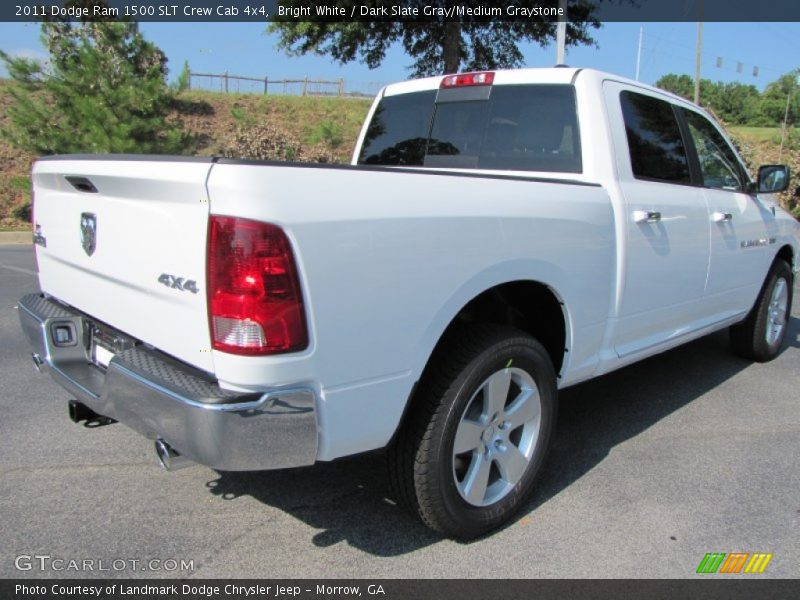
160 397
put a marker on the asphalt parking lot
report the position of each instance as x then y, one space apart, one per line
653 466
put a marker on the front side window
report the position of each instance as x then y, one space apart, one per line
656 147
518 127
719 166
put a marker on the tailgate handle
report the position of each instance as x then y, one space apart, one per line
82 184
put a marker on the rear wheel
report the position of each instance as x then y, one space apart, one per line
469 453
760 336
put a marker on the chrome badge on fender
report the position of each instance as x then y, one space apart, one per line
178 283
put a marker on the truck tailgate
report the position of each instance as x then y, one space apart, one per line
121 239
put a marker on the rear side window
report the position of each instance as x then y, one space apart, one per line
654 139
398 131
517 127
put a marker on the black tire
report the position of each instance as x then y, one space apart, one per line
750 338
424 469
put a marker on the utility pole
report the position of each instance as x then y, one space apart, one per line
561 34
639 53
698 59
795 82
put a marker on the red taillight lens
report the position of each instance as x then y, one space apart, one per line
34 231
467 79
254 299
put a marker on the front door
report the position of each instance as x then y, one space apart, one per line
742 228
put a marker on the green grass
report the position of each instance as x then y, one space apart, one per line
291 109
342 114
767 135
20 183
328 133
331 122
242 117
762 134
771 135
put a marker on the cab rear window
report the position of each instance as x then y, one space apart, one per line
514 127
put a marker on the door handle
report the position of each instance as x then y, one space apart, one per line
721 217
646 216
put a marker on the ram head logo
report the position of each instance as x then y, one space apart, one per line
88 232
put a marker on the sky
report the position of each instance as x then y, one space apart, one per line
245 49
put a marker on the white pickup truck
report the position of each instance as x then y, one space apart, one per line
499 236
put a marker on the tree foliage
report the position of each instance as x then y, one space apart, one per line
739 103
184 79
437 45
680 85
102 90
773 100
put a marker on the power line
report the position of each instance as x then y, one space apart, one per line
716 57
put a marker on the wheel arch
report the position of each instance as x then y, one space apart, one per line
531 304
787 253
527 305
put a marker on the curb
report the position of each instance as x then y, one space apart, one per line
15 237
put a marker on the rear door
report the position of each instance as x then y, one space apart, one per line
124 240
667 249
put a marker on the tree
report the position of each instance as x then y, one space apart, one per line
184 80
774 98
103 90
735 103
437 45
739 103
680 85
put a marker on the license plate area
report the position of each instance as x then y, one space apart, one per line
101 355
105 343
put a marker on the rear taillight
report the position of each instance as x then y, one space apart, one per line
254 301
34 233
467 79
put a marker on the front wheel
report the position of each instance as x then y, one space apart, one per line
760 336
468 455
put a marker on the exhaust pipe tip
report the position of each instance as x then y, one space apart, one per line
169 458
38 362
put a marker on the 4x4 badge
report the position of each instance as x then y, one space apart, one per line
178 283
88 232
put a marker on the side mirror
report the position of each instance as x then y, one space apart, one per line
772 179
